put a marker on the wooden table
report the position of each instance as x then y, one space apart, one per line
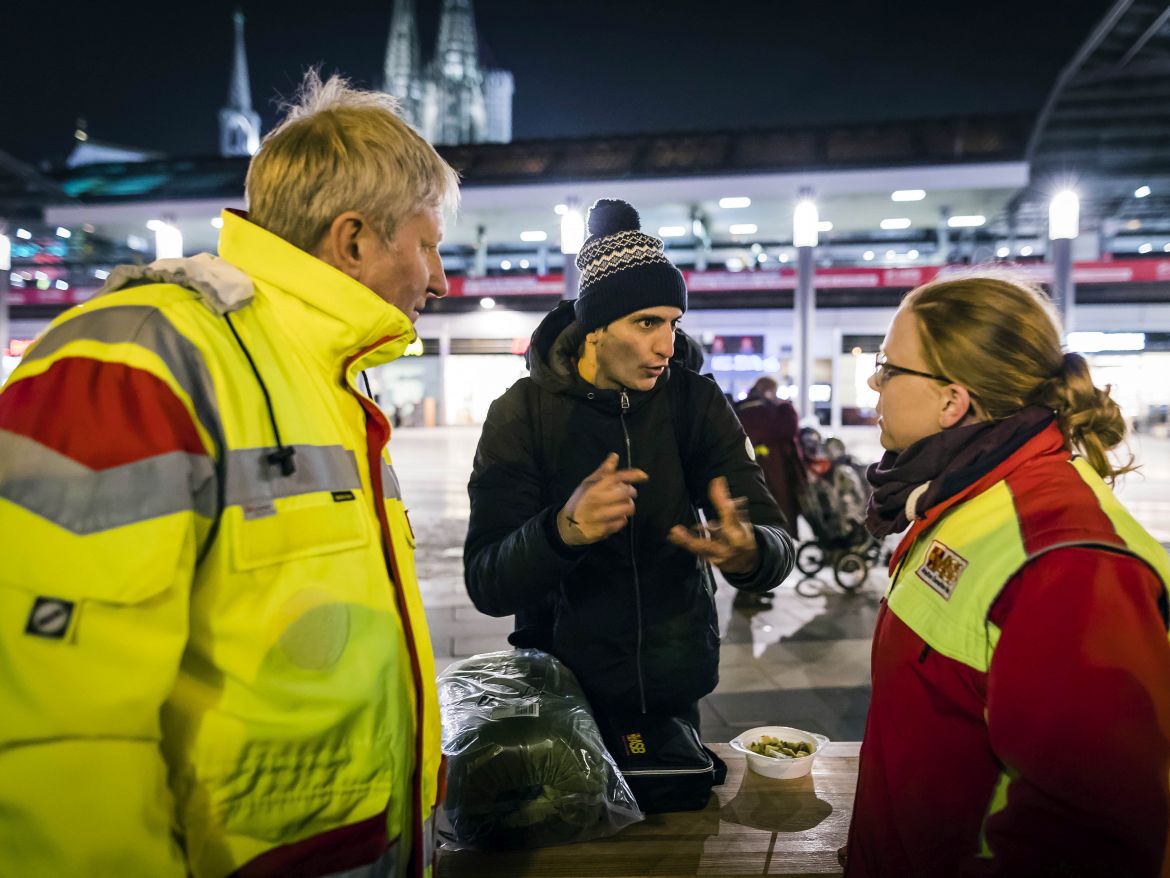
752 826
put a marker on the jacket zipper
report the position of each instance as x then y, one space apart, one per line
625 399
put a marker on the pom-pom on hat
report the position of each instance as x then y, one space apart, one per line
623 269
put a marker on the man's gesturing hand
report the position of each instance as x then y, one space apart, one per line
601 505
731 543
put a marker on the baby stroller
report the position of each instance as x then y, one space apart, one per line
833 500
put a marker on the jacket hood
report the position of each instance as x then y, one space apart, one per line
552 353
221 286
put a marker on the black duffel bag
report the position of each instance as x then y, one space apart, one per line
663 761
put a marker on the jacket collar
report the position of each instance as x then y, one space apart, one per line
338 318
1049 441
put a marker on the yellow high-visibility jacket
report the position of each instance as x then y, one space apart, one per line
207 662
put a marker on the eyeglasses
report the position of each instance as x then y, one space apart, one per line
883 371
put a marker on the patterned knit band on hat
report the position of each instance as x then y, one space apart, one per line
623 269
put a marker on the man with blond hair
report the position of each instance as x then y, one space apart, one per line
213 655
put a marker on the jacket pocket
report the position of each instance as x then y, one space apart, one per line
288 528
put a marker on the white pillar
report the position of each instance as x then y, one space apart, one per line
804 236
1064 213
572 237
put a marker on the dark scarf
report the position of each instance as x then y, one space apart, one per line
949 461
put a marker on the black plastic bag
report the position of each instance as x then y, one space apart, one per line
526 766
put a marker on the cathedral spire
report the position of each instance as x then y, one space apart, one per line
457 51
460 112
402 70
239 125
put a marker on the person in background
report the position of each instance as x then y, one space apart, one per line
771 425
213 654
1020 716
587 475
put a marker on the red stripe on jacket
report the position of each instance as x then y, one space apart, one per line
99 414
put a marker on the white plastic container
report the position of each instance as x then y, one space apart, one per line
769 766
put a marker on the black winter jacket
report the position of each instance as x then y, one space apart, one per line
632 615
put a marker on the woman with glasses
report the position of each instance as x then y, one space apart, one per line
1020 716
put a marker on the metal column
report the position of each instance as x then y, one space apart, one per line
805 306
1064 291
572 276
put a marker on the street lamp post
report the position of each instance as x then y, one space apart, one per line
572 237
804 237
1064 214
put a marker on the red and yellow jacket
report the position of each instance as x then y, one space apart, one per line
1020 716
209 665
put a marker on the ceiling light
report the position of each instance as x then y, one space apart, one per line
890 254
487 303
743 229
63 232
1025 250
1003 252
217 222
572 231
824 226
898 222
671 231
560 209
24 234
735 201
534 236
1145 248
867 255
1141 191
908 195
506 265
1064 215
524 263
911 254
805 219
168 242
966 222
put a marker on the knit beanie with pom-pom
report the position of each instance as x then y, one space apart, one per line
623 269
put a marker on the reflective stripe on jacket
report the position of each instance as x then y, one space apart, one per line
203 660
952 573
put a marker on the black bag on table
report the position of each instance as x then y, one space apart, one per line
663 761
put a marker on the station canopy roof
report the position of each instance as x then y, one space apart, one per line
967 164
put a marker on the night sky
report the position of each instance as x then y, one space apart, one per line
155 75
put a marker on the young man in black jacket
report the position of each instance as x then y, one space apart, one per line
587 479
